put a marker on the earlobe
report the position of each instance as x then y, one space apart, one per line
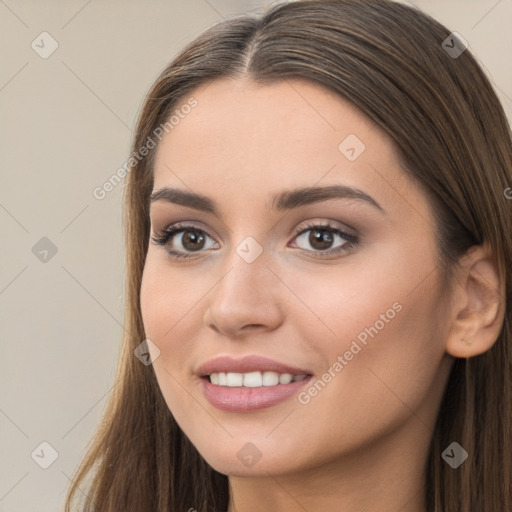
477 316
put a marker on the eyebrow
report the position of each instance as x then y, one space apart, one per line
285 200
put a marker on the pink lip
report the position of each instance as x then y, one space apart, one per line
246 364
242 399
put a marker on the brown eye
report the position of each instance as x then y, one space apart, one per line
321 239
192 240
182 241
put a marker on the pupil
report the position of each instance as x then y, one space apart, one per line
194 237
324 240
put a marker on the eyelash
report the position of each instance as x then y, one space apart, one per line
163 237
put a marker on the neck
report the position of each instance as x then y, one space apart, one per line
388 474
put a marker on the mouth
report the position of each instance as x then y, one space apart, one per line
246 392
256 379
249 371
251 383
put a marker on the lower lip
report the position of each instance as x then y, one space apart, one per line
242 399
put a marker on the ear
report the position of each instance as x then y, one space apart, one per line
478 305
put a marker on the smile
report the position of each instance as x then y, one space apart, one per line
253 379
247 398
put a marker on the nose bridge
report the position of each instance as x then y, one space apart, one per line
246 268
248 239
245 293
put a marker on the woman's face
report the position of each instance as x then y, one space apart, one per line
355 306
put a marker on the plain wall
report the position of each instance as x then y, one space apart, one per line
65 127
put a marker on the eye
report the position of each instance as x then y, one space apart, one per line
321 238
189 239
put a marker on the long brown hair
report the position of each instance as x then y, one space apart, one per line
452 136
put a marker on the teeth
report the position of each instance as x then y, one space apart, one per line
270 378
285 378
234 379
253 379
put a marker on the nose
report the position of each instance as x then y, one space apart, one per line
245 298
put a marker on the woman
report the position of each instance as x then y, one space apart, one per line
318 299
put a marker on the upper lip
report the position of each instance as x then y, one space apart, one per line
225 364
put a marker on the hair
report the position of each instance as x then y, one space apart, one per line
452 137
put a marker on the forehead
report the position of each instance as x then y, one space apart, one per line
243 139
286 119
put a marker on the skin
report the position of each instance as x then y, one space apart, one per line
362 442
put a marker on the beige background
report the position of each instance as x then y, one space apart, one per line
66 125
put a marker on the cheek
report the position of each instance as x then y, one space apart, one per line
390 358
168 299
170 316
336 304
166 312
376 331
